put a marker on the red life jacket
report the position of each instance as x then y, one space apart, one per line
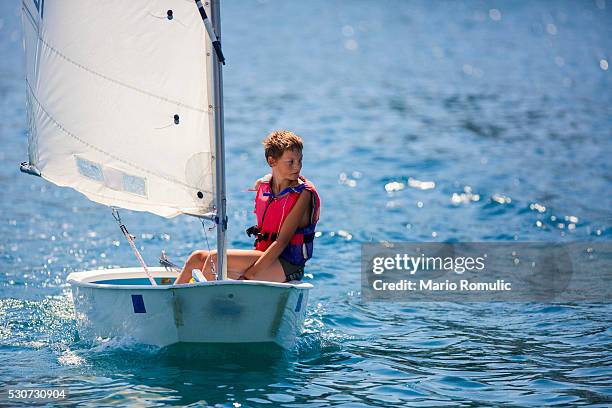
272 210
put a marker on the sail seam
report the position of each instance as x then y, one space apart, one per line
117 82
75 137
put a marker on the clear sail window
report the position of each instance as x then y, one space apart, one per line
134 185
89 169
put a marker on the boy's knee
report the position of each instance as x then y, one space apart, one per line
200 254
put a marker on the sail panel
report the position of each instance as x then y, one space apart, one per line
118 102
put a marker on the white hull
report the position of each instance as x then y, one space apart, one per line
209 312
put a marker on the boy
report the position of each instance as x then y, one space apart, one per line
287 209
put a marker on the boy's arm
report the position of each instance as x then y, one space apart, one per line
286 232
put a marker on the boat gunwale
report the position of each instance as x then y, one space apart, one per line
78 279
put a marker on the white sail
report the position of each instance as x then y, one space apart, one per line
119 97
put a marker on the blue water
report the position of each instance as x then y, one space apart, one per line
505 106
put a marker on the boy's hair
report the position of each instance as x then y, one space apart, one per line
278 141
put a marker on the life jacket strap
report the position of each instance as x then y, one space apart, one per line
252 230
295 189
266 236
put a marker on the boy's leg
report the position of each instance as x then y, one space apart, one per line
274 273
196 260
238 261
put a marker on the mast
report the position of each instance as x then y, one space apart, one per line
220 198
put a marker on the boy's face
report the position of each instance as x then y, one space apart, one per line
288 166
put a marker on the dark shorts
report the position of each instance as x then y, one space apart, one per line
292 271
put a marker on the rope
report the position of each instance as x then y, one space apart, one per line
213 268
130 239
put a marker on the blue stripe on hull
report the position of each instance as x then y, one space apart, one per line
136 281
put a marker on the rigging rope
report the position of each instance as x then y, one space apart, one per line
130 239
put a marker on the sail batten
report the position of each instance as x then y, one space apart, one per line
119 103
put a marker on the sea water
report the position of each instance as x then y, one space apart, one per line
422 121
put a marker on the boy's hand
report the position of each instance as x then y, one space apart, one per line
248 274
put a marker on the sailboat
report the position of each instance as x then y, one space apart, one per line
125 105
